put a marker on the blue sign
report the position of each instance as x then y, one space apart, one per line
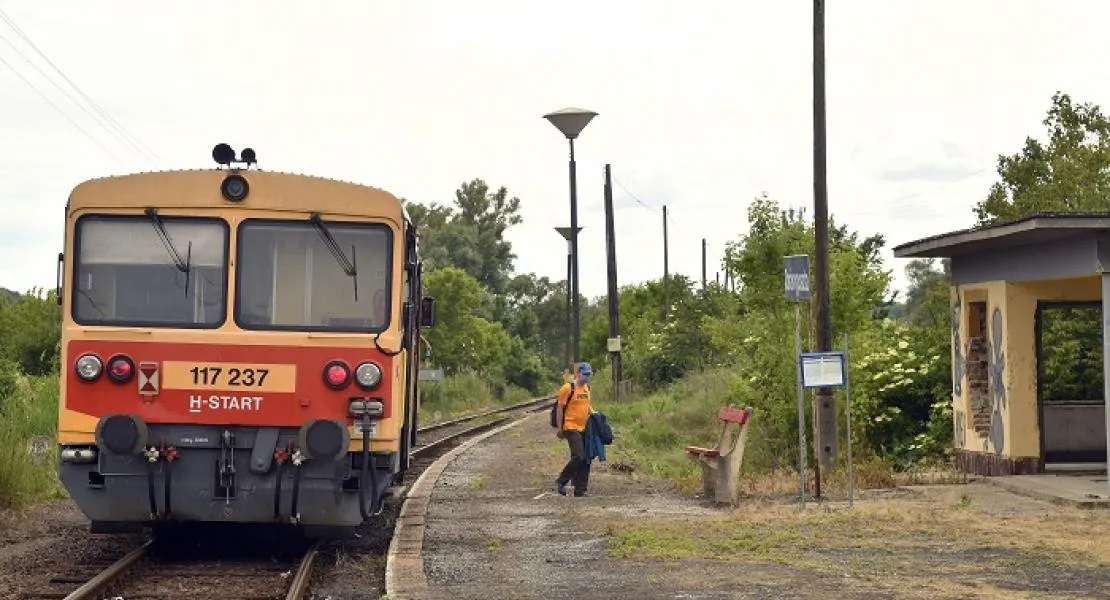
822 369
797 278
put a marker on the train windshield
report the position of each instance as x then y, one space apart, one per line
313 275
150 271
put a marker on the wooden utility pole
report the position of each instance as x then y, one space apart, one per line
666 270
826 446
614 297
703 265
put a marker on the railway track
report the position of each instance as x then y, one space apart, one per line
200 567
149 572
445 433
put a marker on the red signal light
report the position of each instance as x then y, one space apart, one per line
337 375
120 369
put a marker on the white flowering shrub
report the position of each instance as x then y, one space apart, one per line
901 382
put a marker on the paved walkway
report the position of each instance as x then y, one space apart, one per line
1076 490
495 529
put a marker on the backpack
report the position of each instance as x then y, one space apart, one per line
555 406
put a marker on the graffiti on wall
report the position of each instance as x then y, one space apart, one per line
997 366
958 351
959 426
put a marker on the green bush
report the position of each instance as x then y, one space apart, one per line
28 410
465 393
651 431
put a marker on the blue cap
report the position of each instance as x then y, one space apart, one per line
585 369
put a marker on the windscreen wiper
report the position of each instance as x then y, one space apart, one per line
348 266
182 264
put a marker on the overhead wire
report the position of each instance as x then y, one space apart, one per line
60 111
105 120
899 203
685 234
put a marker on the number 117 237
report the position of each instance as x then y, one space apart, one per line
234 376
229 376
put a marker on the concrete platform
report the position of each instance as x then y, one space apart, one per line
1068 487
495 529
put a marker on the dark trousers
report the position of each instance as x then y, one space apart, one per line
577 470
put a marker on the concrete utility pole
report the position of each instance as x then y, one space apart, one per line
824 400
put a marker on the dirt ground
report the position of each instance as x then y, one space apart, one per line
495 529
51 540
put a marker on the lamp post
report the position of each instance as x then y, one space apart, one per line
567 235
570 122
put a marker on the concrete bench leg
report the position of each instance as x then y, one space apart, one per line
728 469
709 470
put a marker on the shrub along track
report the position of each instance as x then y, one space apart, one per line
202 562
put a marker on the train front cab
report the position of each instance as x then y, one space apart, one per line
234 419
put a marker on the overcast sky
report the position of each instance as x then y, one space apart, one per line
703 106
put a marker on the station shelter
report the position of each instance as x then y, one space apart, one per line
1004 279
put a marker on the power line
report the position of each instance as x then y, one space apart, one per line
128 138
52 82
633 196
60 111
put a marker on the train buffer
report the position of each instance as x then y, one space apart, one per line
720 466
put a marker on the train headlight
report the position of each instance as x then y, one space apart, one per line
368 375
89 367
235 187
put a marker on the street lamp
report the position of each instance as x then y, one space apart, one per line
567 235
570 122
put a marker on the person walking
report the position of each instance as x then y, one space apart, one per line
573 414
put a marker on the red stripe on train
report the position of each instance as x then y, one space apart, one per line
219 384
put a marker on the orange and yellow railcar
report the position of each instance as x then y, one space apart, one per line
238 346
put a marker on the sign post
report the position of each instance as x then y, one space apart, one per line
797 291
826 370
848 419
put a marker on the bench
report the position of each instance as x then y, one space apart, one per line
720 466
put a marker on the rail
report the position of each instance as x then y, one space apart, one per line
503 409
102 581
298 588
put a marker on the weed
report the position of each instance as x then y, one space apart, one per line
461 394
28 411
651 431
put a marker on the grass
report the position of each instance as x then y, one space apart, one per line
28 411
461 394
651 431
945 540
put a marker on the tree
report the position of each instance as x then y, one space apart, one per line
30 330
927 298
471 235
760 341
1068 174
489 215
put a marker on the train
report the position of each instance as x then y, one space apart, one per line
237 346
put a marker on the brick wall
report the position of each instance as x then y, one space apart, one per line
978 386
